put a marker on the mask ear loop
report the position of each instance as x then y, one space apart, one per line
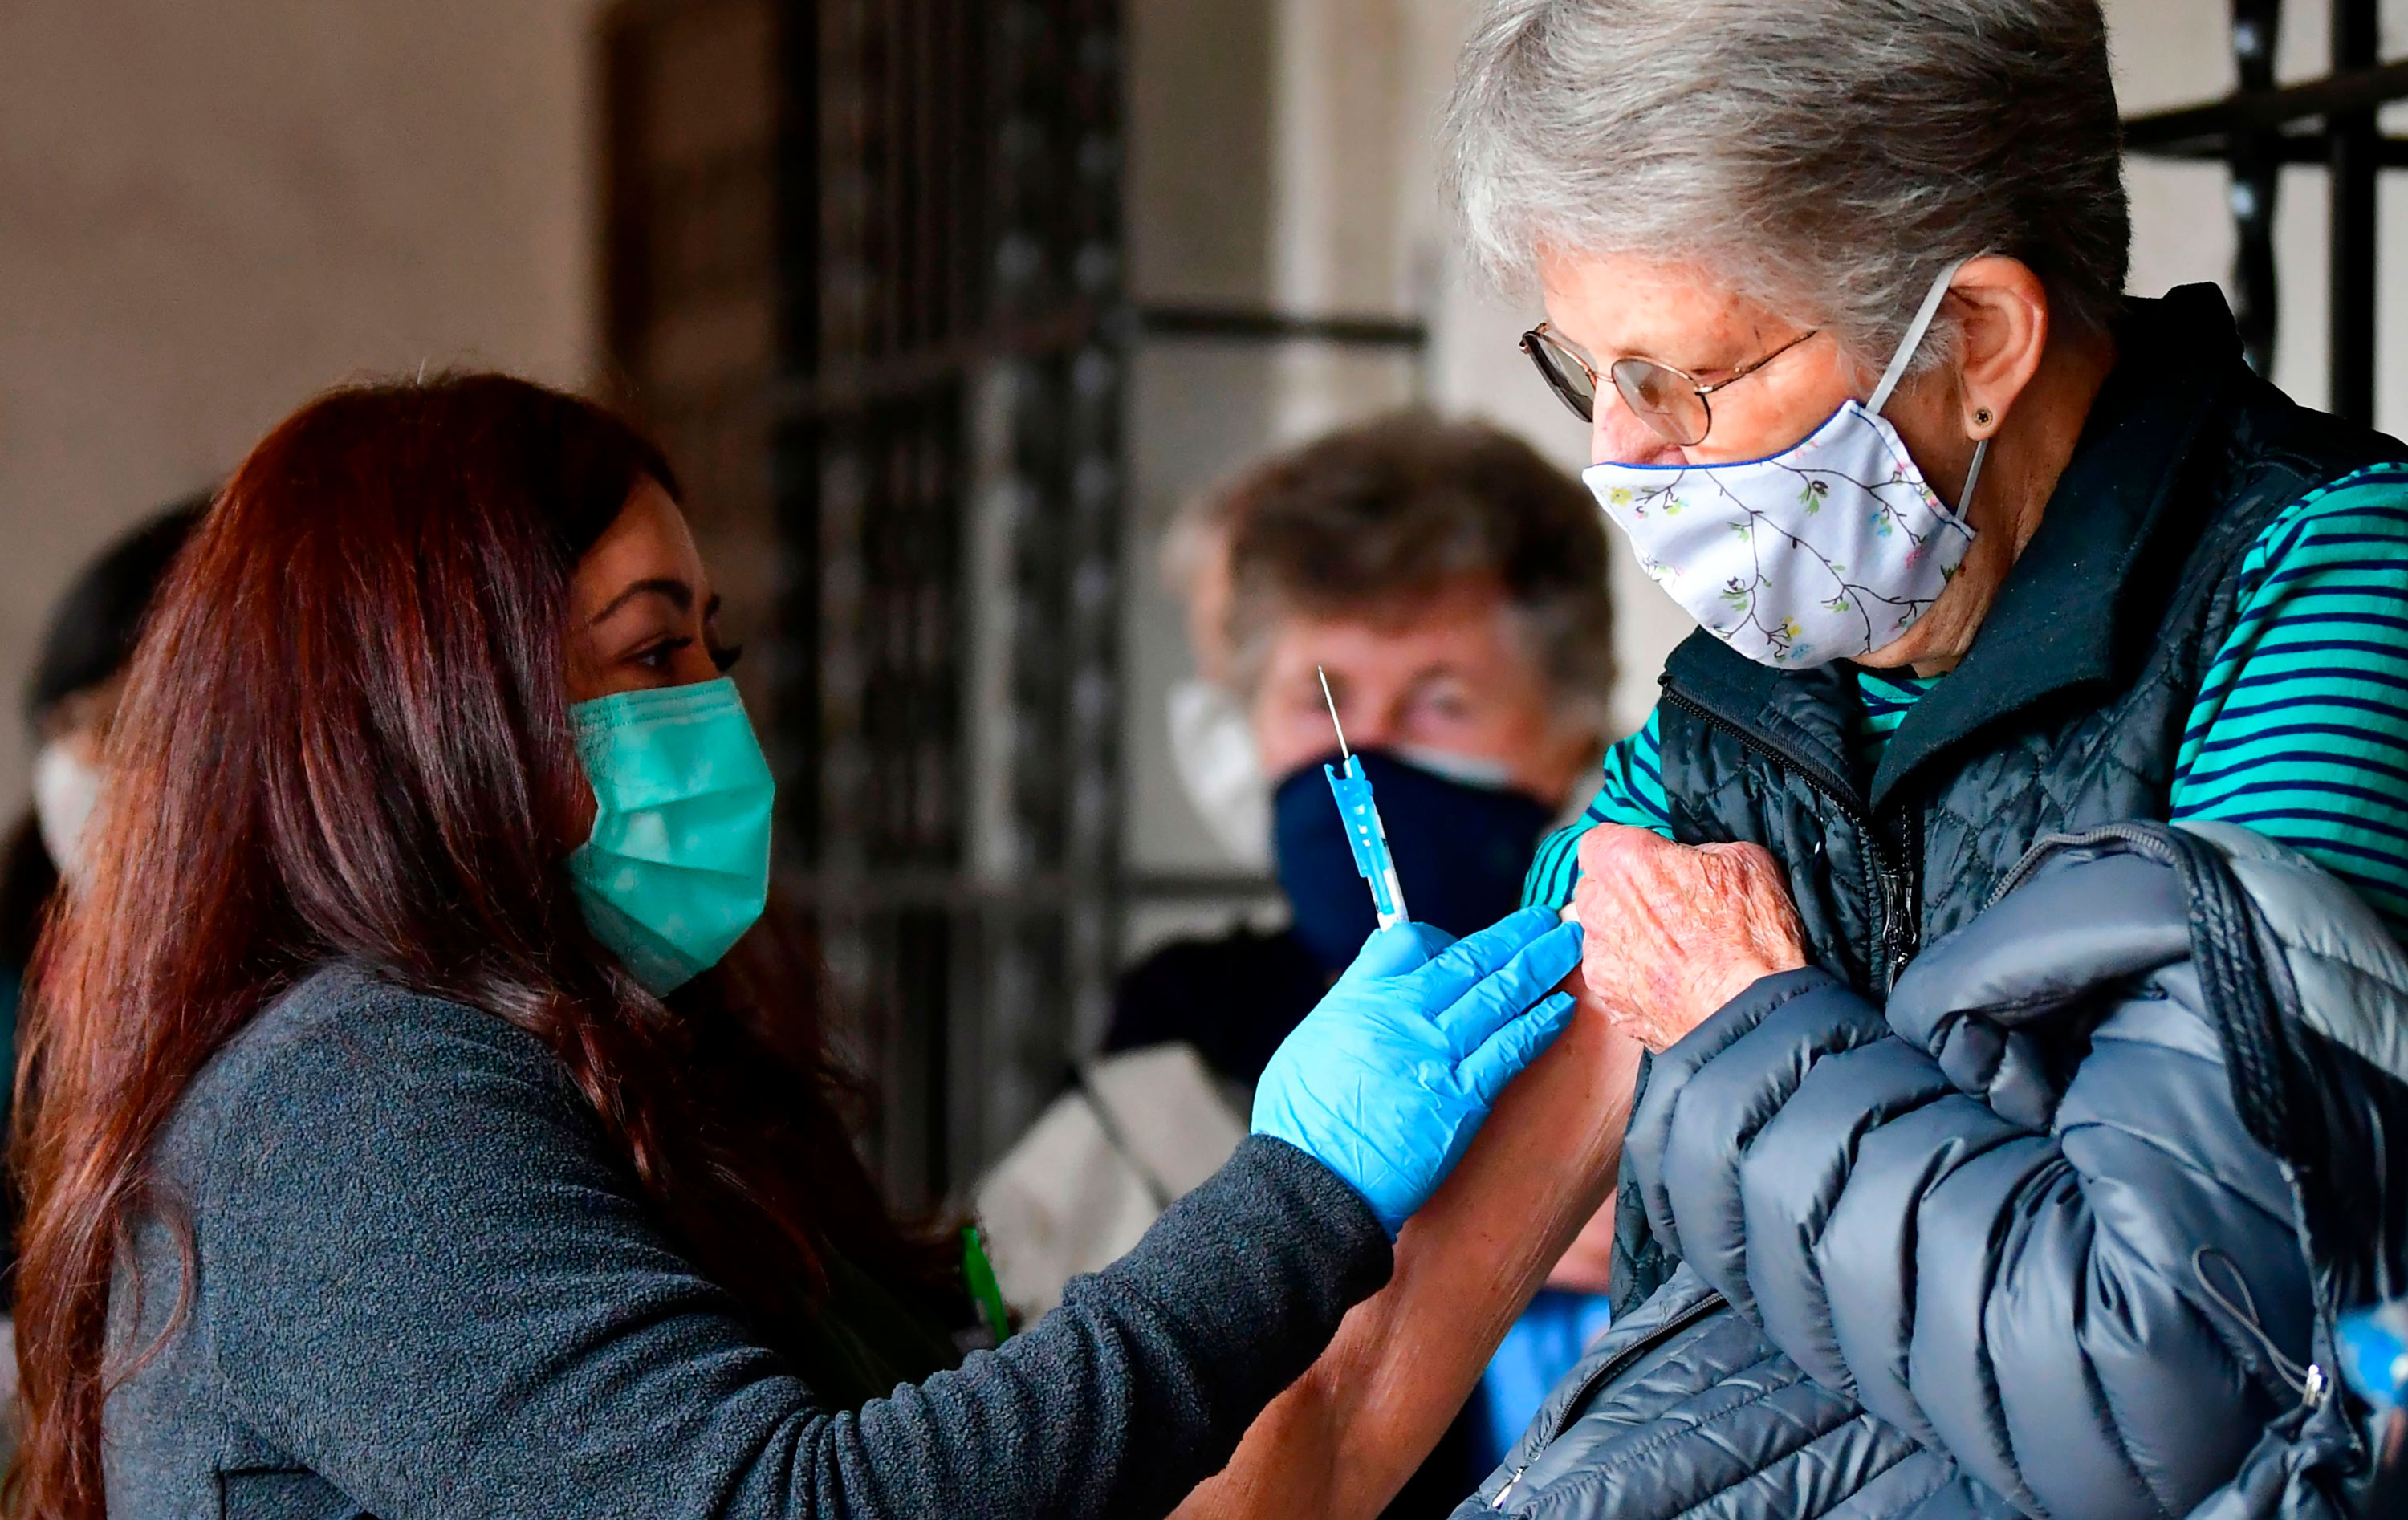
1915 332
1972 477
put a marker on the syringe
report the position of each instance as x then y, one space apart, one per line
1363 830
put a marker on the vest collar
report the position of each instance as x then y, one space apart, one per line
2054 625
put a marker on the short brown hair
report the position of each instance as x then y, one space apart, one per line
1370 518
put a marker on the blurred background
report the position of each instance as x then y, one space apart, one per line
943 307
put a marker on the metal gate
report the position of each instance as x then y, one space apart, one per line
2332 122
919 480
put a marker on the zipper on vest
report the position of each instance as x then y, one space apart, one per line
1898 936
1908 940
1597 1378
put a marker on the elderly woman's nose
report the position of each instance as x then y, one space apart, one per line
1616 437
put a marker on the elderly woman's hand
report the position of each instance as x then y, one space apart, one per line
1674 932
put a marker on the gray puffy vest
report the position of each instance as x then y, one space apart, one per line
2067 713
2060 1231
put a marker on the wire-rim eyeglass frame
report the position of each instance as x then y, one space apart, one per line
1671 401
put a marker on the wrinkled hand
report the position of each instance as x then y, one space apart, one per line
1672 932
1387 1080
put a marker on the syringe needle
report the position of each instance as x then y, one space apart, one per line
1343 753
1365 836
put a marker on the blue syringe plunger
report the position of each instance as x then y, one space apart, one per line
1369 838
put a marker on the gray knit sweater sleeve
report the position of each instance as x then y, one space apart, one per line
424 1288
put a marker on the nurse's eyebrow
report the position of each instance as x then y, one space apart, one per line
676 593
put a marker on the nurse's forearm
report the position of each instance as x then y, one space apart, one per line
1344 1437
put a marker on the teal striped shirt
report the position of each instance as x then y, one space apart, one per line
2301 729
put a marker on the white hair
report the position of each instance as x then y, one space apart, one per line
1828 157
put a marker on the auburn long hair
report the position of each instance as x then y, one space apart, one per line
346 734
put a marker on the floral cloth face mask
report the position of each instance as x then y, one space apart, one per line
1824 551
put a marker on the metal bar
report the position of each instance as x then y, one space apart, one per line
1196 887
2354 91
1241 324
844 384
2355 171
2257 165
1097 460
1043 893
628 298
2287 148
918 40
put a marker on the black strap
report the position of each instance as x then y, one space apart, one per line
2237 983
1109 1123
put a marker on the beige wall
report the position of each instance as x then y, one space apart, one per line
209 211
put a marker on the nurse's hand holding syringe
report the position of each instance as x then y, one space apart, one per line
1388 1078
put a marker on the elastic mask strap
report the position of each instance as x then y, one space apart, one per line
1972 477
1914 340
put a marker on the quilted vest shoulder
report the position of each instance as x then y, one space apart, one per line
2108 754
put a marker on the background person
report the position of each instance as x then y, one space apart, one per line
396 1097
1453 585
70 703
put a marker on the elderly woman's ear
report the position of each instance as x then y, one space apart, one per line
2000 312
2003 328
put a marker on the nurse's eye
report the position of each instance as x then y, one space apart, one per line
661 655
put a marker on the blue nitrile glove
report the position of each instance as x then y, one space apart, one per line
1387 1080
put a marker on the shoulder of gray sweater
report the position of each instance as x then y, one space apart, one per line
340 1034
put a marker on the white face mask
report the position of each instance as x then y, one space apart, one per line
67 791
1480 770
1824 551
1213 749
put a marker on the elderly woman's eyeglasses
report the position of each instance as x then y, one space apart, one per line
1670 401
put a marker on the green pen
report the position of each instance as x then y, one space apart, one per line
978 1273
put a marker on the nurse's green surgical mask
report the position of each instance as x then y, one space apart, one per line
677 867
